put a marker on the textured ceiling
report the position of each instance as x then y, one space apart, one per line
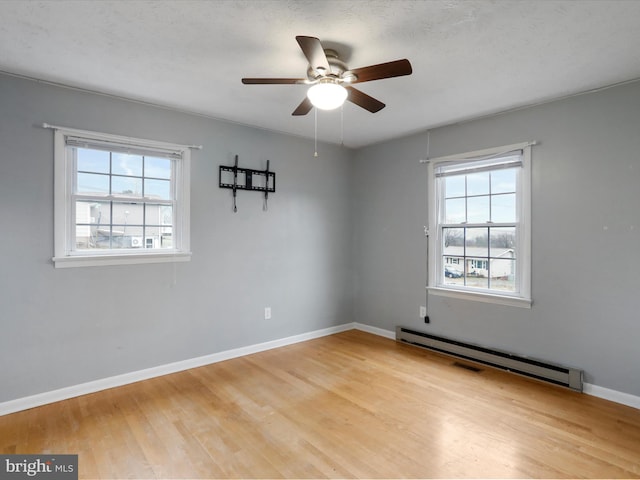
470 58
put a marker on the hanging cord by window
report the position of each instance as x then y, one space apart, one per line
426 234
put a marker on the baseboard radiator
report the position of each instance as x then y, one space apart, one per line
556 374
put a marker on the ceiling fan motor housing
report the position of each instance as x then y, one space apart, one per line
338 68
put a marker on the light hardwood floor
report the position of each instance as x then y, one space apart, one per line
348 405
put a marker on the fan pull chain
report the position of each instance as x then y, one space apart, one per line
315 132
342 125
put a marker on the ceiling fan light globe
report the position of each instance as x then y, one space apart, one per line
327 96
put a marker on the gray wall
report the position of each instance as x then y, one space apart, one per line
62 327
585 243
342 241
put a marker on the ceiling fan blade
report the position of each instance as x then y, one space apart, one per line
304 107
273 81
312 49
363 100
396 68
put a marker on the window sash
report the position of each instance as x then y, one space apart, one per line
498 162
146 225
71 152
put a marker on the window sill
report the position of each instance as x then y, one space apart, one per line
482 297
121 259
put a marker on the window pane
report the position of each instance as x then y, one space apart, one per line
503 275
151 237
91 183
159 215
503 181
455 211
453 241
96 161
503 208
83 237
157 167
157 189
157 237
117 238
95 213
90 237
128 237
476 274
125 164
126 214
166 238
83 213
166 215
454 186
478 183
478 209
503 241
453 274
477 242
102 237
129 186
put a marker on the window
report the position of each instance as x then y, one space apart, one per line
119 200
479 232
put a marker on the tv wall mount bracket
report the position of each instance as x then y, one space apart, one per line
236 178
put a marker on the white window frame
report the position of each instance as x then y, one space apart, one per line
65 255
436 285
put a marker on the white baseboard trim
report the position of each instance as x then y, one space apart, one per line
40 399
613 395
375 330
44 398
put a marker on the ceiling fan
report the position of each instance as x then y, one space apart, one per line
331 80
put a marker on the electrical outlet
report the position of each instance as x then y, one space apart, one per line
267 313
423 312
